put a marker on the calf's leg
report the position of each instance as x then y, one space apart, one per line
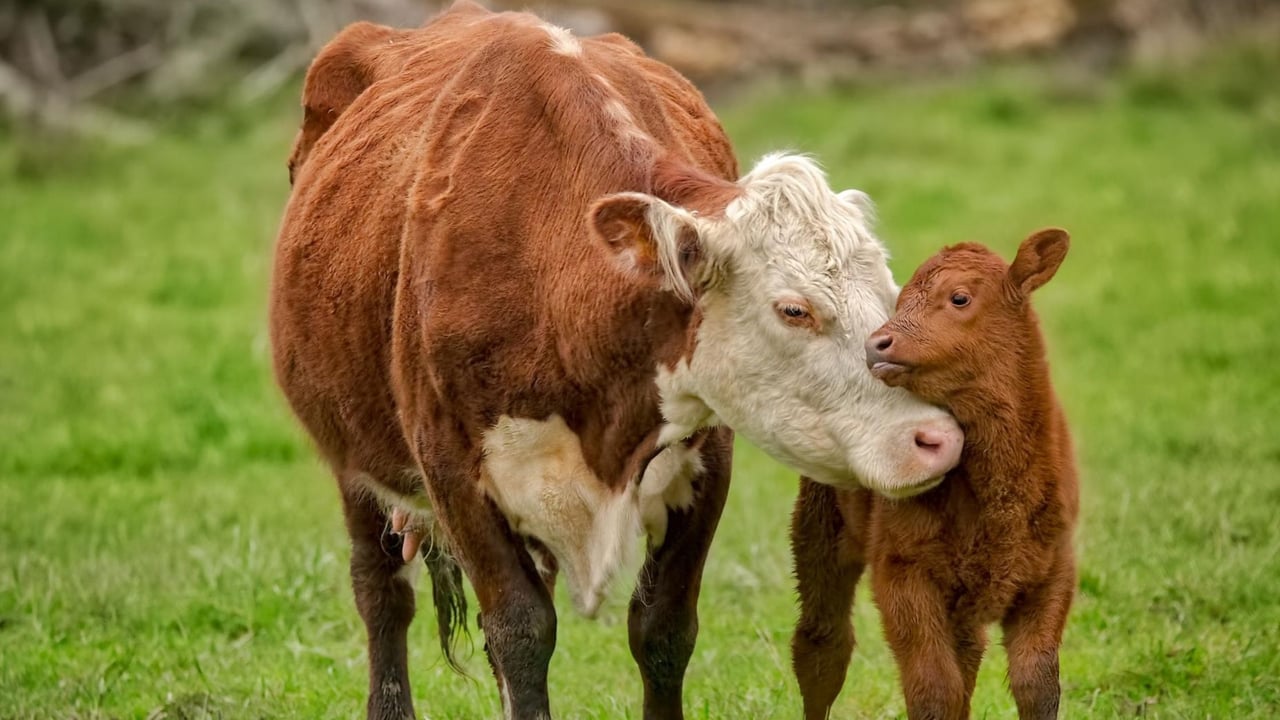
827 549
663 616
385 600
1032 634
918 630
970 643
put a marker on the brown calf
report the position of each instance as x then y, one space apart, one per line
992 542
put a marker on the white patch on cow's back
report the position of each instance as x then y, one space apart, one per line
562 41
535 472
624 123
614 108
625 127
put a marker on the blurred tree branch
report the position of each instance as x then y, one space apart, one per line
64 62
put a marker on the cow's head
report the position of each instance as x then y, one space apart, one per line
789 281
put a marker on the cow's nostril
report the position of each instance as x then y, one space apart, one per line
928 441
937 447
884 342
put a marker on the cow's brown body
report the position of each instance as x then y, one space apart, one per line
993 542
425 156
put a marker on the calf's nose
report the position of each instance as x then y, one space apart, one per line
938 447
878 346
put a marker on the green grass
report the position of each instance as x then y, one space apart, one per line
169 547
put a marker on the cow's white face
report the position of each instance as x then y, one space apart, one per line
791 282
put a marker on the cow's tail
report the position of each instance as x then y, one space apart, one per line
449 597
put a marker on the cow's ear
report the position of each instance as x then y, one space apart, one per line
653 238
356 58
1038 259
861 201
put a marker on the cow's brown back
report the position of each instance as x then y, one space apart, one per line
462 172
436 271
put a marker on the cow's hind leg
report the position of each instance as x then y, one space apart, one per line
385 598
827 549
663 616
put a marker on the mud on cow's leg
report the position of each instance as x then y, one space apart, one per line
663 617
385 598
516 612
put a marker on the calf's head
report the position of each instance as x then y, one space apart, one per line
964 316
788 280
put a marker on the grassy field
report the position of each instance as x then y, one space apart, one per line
170 548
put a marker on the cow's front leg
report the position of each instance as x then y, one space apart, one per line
663 617
828 549
517 616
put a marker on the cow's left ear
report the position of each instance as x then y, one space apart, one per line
653 238
354 59
1038 259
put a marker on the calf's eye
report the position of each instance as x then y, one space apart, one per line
794 311
959 299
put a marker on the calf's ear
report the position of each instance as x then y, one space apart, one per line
1038 259
653 238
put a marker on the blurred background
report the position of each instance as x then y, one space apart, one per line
171 548
65 63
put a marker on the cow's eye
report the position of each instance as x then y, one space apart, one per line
797 313
959 299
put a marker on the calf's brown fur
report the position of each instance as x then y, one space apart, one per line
993 541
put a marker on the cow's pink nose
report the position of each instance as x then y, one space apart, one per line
938 447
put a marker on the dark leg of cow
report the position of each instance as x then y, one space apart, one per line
516 611
827 551
385 599
663 616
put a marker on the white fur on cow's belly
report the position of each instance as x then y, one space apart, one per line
534 471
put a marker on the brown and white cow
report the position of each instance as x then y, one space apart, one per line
520 297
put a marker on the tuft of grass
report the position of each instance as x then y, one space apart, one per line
171 548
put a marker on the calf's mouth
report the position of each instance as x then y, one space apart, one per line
890 373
